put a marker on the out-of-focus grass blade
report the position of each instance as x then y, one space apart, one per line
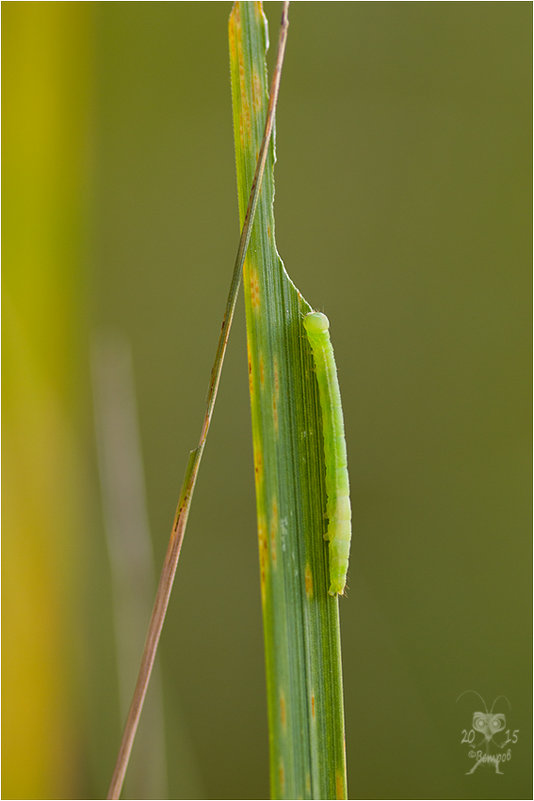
122 483
301 623
46 92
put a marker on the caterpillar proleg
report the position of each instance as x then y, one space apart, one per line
338 509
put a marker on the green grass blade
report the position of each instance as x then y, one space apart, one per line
301 621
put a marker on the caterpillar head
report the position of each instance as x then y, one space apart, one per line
316 323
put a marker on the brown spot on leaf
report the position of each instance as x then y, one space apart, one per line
231 37
257 99
308 580
250 373
254 289
340 784
258 466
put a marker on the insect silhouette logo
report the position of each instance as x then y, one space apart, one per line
489 740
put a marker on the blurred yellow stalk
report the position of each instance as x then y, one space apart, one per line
45 96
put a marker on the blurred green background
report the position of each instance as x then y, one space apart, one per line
404 211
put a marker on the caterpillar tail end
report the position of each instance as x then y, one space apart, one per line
337 588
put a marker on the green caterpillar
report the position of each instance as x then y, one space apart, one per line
338 509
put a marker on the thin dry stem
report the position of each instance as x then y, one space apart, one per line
182 512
